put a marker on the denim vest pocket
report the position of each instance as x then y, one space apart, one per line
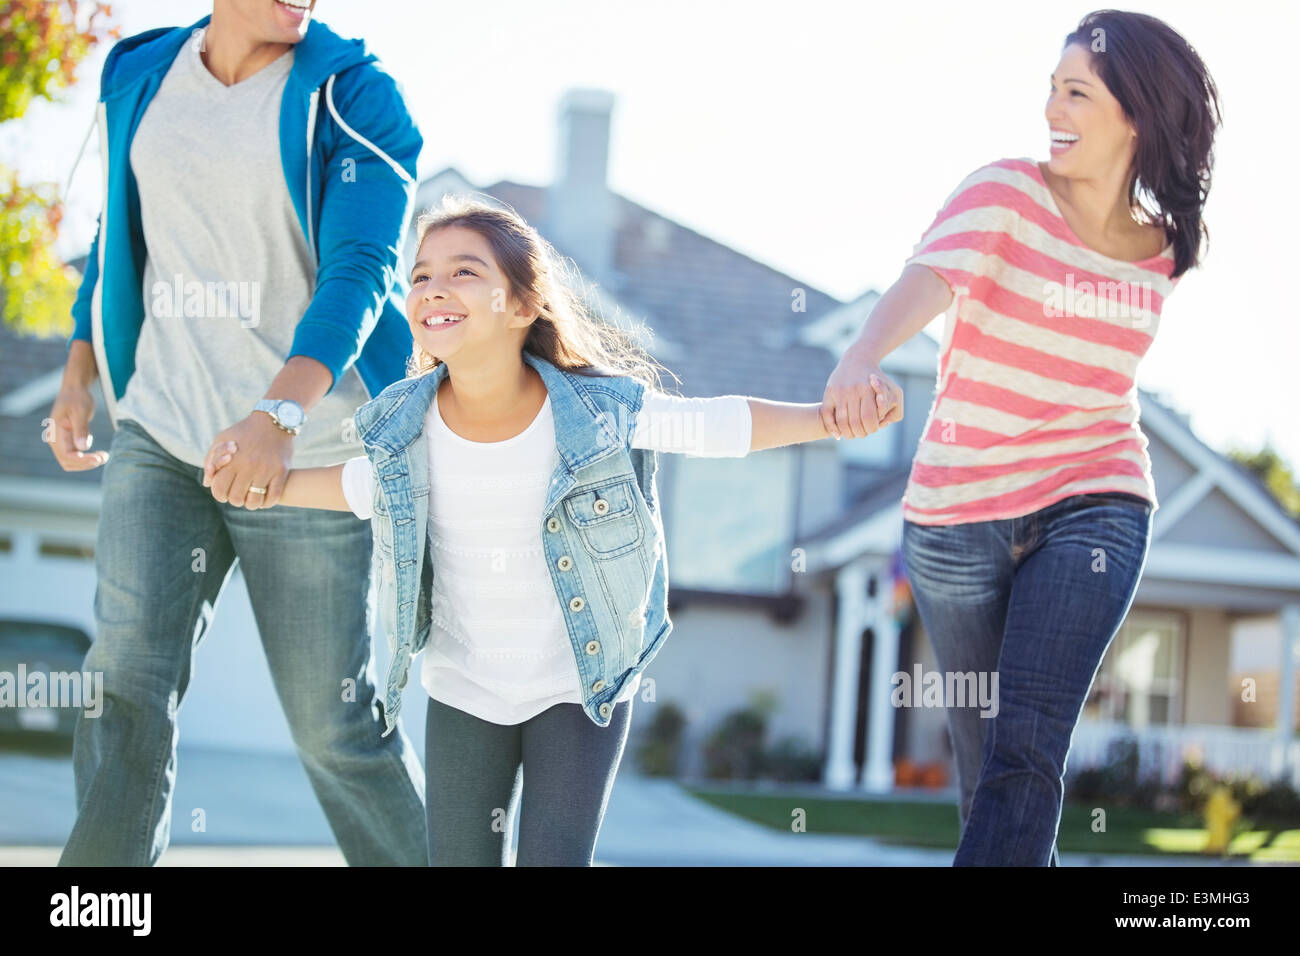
606 518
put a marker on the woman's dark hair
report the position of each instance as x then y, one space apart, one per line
1169 96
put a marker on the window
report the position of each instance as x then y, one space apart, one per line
729 524
1139 680
61 549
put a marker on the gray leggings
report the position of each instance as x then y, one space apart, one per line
472 770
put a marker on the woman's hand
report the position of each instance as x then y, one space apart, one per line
860 399
907 306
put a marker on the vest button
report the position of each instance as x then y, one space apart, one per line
606 710
553 524
598 686
601 506
577 604
593 647
564 563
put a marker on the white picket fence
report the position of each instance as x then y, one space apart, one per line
1223 750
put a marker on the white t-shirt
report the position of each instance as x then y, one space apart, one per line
498 646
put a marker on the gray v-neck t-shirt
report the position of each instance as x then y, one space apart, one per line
228 273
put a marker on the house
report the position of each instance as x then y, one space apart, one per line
784 568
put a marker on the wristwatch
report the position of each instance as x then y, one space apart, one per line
285 412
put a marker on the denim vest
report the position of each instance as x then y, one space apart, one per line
601 533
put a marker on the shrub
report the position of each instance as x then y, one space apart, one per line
660 751
734 751
791 760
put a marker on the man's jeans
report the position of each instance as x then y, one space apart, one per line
165 550
1036 600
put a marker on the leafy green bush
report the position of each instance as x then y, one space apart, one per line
659 754
790 759
734 751
1268 802
1118 781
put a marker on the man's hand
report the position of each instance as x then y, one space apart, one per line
860 399
74 407
264 454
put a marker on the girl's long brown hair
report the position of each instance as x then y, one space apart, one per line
567 332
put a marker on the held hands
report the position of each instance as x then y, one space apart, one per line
252 454
860 399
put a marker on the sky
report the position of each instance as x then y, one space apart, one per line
820 138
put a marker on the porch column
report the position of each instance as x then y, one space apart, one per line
1286 691
851 590
878 774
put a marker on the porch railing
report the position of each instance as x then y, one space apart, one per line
1257 752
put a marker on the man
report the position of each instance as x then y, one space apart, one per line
259 176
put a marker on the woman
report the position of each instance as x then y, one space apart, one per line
1027 513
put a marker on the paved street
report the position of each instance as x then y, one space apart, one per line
259 811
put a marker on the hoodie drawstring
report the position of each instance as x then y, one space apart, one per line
329 101
67 186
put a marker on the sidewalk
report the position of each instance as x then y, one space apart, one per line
655 822
259 810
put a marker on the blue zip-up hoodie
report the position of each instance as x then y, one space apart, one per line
348 148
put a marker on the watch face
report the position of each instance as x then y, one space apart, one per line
289 413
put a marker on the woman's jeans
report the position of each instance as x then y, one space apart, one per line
165 550
558 765
1033 601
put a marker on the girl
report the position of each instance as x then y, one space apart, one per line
1028 509
510 482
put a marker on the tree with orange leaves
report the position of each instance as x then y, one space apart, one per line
41 44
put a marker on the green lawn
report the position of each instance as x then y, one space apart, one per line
924 824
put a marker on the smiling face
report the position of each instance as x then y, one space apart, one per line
272 21
1089 131
460 301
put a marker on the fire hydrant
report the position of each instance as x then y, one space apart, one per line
1221 812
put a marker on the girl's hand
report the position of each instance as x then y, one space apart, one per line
218 455
889 399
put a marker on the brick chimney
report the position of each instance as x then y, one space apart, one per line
580 218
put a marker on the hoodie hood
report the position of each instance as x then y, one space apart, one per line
337 100
319 54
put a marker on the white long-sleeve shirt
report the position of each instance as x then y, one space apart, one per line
498 646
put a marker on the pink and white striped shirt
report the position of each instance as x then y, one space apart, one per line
1035 397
